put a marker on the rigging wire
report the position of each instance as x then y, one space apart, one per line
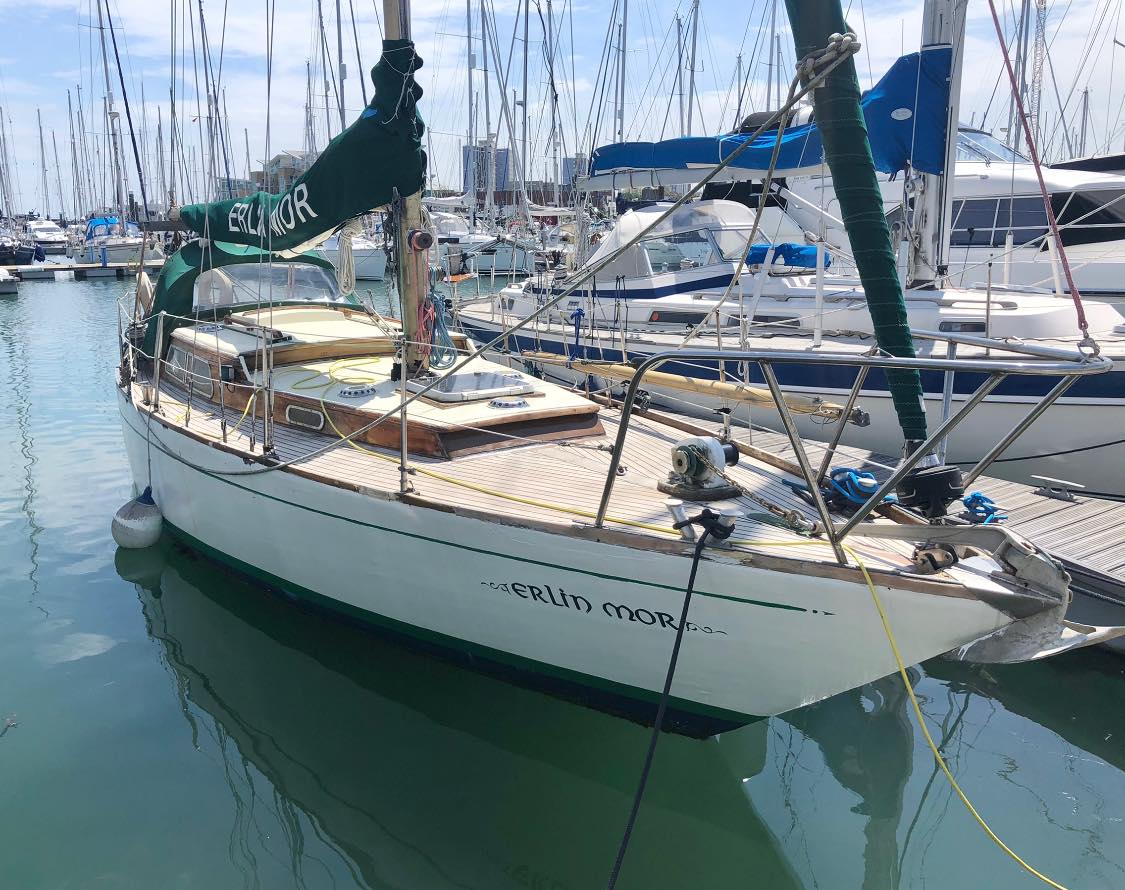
128 116
1080 312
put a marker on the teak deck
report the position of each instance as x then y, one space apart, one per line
552 483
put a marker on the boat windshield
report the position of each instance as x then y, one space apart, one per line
105 228
975 145
263 283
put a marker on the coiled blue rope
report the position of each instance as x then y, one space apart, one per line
854 486
442 351
982 509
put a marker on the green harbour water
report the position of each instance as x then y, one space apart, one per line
173 725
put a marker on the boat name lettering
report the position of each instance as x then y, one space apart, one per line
544 594
290 211
550 596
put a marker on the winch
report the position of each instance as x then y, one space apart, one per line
697 464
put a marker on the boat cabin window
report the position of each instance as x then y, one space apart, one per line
1090 217
975 145
263 283
184 367
984 222
105 228
680 250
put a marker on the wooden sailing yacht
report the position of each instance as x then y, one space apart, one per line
388 472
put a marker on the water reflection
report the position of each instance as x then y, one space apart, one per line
867 741
1039 748
1090 712
419 774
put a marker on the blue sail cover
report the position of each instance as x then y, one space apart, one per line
905 112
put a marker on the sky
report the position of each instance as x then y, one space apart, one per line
52 46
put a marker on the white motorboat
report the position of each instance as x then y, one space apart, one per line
51 239
9 284
998 217
108 241
369 256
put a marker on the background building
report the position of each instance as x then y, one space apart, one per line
280 172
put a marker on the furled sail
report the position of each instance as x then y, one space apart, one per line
904 113
357 172
848 153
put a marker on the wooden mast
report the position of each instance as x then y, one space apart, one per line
411 237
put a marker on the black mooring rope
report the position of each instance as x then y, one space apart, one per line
713 526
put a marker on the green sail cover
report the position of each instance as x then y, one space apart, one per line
848 152
175 288
355 174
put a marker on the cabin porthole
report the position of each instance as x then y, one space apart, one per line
309 418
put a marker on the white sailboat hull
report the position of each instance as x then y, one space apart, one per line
565 607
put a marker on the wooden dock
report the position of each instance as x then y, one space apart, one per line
81 271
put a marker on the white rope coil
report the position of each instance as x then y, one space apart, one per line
345 261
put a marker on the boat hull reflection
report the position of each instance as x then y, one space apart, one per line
424 775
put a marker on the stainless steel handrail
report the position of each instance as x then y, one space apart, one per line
1069 365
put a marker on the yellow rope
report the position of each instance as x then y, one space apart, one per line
929 739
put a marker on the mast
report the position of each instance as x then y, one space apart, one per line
58 176
43 169
1022 24
310 127
769 55
1085 121
343 70
943 24
777 80
738 83
5 173
412 267
554 103
249 168
680 70
112 118
471 164
164 193
691 63
526 23
490 163
623 36
324 71
74 173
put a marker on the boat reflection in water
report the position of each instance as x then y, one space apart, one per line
856 799
423 775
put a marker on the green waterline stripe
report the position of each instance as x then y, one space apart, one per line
719 596
458 644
